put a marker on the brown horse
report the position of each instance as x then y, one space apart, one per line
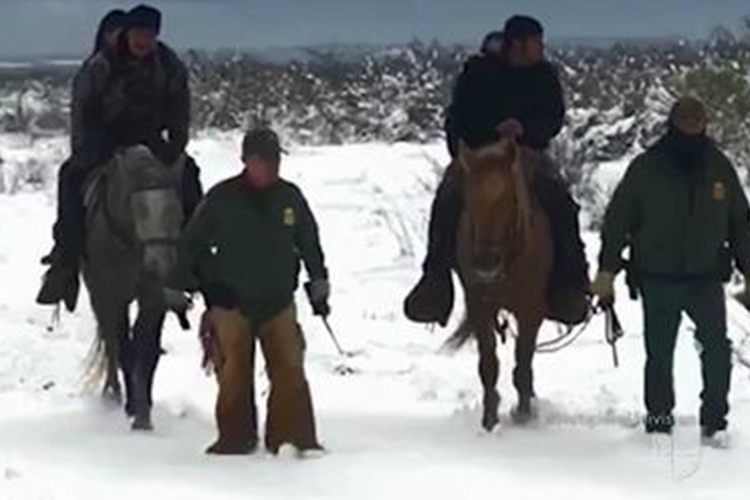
504 258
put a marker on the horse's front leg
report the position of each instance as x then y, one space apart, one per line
489 369
523 374
112 390
146 352
126 363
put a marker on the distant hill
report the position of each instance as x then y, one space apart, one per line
282 54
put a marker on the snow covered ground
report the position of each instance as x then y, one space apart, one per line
405 424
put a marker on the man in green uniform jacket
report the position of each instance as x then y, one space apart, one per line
242 251
682 211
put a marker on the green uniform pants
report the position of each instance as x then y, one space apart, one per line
704 303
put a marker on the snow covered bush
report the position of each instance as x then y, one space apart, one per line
618 97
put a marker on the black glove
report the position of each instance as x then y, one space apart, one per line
177 300
163 150
318 291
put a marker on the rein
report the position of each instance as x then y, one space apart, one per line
613 332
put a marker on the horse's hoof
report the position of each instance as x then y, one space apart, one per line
112 398
142 424
490 421
491 418
523 414
129 410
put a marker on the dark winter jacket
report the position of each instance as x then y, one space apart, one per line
489 91
243 247
681 221
120 101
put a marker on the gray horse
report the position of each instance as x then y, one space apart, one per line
133 218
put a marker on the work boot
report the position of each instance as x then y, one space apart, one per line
569 301
224 448
431 300
713 430
310 452
719 439
61 282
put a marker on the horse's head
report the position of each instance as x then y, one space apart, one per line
496 206
153 204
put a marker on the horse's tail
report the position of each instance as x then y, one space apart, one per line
461 336
95 363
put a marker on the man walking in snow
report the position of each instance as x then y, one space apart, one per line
682 211
242 251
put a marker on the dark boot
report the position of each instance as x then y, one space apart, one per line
229 448
61 282
569 282
431 300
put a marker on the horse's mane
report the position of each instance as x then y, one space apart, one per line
522 171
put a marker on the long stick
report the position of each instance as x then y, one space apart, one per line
333 336
613 331
611 339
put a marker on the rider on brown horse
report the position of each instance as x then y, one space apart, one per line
518 87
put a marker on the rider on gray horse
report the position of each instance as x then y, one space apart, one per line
515 86
134 91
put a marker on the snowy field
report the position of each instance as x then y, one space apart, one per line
405 424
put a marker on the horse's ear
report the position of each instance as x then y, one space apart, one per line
466 156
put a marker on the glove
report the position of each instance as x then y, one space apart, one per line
162 150
603 286
177 300
318 291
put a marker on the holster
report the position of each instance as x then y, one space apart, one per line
632 279
726 267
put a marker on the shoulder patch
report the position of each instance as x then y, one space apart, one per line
289 216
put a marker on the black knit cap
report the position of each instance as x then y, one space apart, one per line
522 27
493 37
144 17
263 143
115 19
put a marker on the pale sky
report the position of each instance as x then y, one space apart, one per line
37 27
